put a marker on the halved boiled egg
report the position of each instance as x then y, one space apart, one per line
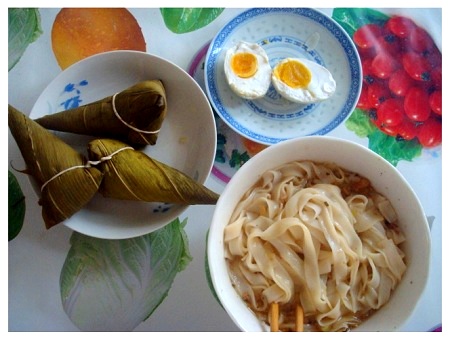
247 70
303 81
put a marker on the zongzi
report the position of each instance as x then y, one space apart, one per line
132 175
134 115
66 180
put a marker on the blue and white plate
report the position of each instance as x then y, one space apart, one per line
285 32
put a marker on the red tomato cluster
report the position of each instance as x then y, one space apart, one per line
402 88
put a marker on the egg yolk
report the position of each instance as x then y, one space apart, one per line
294 74
244 64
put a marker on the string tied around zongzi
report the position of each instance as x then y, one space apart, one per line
113 103
88 164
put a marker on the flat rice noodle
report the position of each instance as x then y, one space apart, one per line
142 106
45 156
132 175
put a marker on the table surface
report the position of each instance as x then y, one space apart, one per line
36 256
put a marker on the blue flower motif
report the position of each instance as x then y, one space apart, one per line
75 92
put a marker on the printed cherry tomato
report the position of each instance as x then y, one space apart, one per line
419 40
363 101
377 93
436 76
384 64
435 100
388 130
407 130
365 53
366 35
430 133
434 57
388 43
366 65
416 66
400 82
400 26
417 106
391 112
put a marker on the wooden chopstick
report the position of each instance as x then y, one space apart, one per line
275 314
299 319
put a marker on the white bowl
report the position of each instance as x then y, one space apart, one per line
385 178
187 140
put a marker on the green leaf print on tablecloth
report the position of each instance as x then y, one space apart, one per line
24 27
184 20
16 207
114 285
384 145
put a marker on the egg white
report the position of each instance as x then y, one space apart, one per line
256 85
321 87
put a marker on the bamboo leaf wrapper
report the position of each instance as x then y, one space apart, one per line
46 156
140 112
133 175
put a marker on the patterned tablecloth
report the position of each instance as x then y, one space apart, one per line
40 49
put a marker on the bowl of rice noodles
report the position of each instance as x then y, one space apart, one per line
318 234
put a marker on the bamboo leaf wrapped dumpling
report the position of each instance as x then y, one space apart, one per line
134 115
133 175
67 183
